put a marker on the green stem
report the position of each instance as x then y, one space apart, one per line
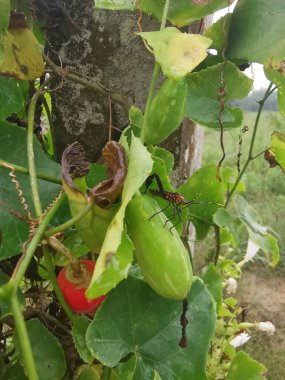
250 156
156 70
164 14
23 170
259 154
56 288
16 280
30 149
70 222
107 373
144 128
23 338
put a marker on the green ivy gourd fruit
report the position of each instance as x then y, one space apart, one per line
163 259
167 110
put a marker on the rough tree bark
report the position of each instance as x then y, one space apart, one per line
103 47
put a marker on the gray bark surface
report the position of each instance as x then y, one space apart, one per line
102 46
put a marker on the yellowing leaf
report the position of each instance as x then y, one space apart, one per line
177 53
4 22
22 58
278 148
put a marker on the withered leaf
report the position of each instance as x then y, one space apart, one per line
74 164
107 191
270 158
22 58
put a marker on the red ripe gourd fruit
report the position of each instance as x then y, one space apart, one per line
73 284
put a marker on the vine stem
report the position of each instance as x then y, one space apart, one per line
30 148
23 338
23 170
16 280
70 222
154 79
250 156
56 288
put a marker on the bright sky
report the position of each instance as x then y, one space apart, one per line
256 70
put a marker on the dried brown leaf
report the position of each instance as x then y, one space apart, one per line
74 164
107 191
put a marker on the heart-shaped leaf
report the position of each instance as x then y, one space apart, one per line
258 234
79 329
12 103
47 351
13 149
125 325
203 105
177 53
264 23
244 367
183 12
206 193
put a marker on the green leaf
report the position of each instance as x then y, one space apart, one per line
177 53
124 324
11 98
136 116
5 308
4 23
115 5
218 31
139 167
97 173
278 147
89 373
164 155
125 370
117 268
203 106
183 12
153 8
78 331
13 141
13 372
224 219
258 234
229 178
256 32
156 376
214 283
47 351
244 367
74 243
278 77
203 187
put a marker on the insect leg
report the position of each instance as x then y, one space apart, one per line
178 212
150 180
158 212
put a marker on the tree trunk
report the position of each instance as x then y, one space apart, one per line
101 46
